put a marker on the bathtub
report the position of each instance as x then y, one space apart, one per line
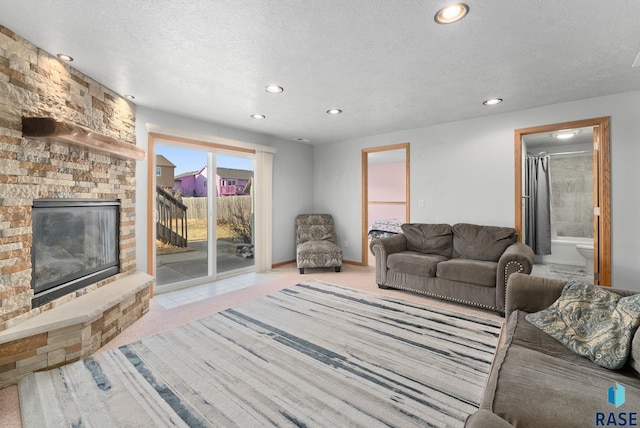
563 251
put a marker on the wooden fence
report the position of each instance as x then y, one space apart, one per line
197 207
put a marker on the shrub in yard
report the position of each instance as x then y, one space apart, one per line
234 213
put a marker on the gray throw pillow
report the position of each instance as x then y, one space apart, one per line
592 322
429 238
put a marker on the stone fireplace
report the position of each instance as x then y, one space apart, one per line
57 242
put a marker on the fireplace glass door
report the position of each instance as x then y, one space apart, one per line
75 243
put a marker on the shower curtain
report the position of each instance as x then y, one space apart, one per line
537 204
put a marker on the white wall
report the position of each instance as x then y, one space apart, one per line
464 171
292 178
387 183
292 195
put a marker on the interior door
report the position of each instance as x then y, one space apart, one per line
385 188
601 187
598 202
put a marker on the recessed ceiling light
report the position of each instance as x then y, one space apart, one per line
303 140
492 101
273 89
258 116
452 13
65 57
129 97
334 111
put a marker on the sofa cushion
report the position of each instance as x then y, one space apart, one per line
429 238
476 242
470 271
318 254
414 263
486 419
537 381
592 322
314 232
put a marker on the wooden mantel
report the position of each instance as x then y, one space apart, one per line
68 132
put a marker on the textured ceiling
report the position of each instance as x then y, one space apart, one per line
385 63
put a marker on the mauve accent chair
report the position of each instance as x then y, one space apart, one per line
316 242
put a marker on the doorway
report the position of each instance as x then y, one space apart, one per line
538 140
385 189
203 212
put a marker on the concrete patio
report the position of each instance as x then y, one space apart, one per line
182 266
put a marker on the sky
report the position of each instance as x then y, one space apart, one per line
187 160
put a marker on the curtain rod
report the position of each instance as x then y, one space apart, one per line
564 153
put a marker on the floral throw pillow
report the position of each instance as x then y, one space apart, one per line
592 322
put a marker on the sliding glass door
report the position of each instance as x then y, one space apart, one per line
203 214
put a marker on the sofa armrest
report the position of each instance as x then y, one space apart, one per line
517 258
531 293
486 419
381 248
389 244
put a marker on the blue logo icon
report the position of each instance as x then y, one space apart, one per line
616 395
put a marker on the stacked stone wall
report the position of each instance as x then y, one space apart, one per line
34 83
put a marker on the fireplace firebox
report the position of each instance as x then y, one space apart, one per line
75 244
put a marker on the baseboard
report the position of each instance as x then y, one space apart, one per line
277 265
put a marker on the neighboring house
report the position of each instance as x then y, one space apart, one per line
229 182
192 183
233 181
164 172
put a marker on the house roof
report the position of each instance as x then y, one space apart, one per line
222 172
387 64
185 174
234 173
162 161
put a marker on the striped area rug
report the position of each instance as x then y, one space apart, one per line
313 355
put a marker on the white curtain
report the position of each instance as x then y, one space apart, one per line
263 210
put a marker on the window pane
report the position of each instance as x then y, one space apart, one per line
182 244
235 216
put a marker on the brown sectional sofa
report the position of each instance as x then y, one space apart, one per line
535 381
465 263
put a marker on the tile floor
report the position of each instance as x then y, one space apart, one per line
174 299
